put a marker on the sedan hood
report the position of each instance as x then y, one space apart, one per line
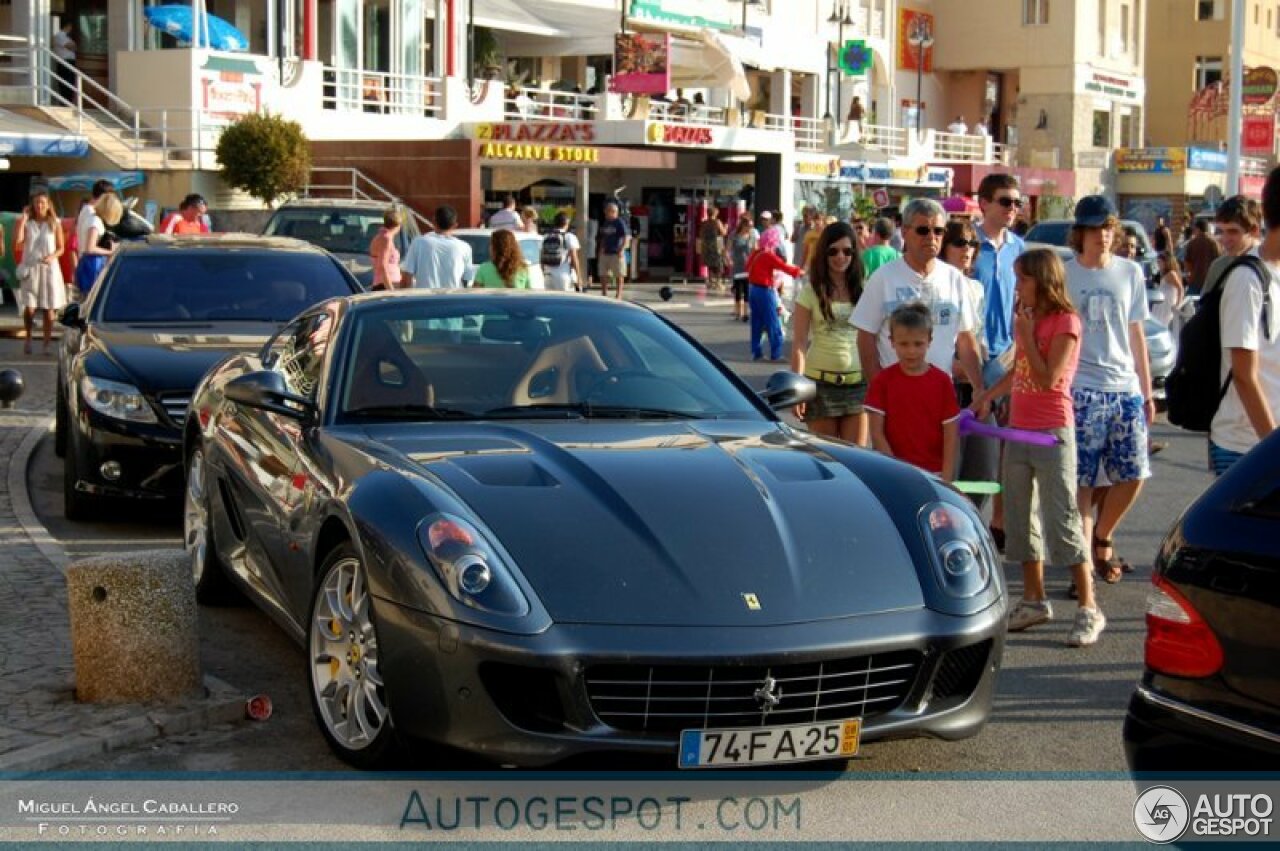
158 358
674 524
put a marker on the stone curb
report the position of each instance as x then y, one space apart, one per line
222 703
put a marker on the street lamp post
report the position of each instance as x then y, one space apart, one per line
840 17
921 38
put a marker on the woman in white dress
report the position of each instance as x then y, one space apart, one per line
40 239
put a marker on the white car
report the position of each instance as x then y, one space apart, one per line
530 247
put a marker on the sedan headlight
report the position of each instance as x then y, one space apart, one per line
116 399
962 557
470 567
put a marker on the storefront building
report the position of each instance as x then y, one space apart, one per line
1168 182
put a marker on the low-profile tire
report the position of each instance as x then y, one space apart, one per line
75 505
346 688
213 587
60 424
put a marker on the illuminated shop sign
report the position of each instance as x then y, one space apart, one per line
566 154
533 132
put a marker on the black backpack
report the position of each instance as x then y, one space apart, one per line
1195 389
555 250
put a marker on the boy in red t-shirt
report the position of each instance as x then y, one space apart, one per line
914 413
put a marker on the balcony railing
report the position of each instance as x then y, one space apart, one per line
529 104
382 93
891 140
811 134
961 147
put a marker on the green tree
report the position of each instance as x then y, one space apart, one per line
265 155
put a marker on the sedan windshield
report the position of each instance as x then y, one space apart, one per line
339 231
516 358
197 286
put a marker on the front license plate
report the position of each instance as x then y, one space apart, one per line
769 745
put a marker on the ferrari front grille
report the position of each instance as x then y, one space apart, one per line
670 698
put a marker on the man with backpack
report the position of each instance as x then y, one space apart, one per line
559 257
1249 365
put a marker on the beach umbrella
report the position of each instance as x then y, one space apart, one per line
179 22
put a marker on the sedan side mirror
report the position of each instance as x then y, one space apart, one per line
266 391
785 389
70 316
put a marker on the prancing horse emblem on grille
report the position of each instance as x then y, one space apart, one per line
768 695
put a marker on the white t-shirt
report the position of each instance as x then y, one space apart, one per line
85 220
505 218
1240 318
944 289
1109 300
64 47
438 262
561 277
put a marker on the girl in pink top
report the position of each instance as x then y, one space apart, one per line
1047 350
385 255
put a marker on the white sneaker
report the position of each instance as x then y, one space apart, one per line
1088 626
1028 613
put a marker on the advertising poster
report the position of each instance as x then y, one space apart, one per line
642 63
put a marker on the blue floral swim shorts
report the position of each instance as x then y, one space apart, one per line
1111 437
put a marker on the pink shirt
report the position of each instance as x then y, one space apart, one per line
386 266
1032 405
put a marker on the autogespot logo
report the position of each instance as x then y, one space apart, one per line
1161 814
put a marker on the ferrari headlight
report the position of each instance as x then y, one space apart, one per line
470 567
962 556
116 400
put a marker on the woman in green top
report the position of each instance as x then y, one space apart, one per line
506 266
824 346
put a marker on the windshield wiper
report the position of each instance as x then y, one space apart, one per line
590 411
410 412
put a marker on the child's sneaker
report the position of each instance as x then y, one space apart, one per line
1029 613
1088 626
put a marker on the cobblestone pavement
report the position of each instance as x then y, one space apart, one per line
41 724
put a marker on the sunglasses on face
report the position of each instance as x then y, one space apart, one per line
963 243
925 230
834 251
1010 202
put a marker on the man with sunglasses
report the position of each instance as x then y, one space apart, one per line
919 276
1250 363
998 248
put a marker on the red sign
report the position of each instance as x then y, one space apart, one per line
1259 134
919 23
680 134
880 197
642 63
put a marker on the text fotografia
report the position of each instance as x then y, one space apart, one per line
598 813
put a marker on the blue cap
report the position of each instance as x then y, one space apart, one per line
1092 211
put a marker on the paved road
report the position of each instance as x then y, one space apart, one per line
1056 708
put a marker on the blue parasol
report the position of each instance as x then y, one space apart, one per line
214 31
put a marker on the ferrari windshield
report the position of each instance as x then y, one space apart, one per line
505 357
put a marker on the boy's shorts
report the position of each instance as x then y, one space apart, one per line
1111 437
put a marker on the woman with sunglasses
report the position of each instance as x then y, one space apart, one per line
825 345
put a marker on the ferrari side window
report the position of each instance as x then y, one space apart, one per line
298 352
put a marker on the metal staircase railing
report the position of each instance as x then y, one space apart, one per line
354 184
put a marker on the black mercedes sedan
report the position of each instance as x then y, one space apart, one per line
1209 699
165 310
533 525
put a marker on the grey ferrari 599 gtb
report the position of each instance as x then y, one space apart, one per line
534 525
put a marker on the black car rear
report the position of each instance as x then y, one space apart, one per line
165 311
1209 698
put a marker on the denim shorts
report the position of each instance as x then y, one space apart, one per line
1111 437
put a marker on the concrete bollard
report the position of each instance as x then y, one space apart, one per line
133 628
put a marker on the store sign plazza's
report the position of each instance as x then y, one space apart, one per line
527 131
564 154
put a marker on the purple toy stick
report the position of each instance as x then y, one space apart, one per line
969 424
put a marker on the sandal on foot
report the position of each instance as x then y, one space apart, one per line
1109 570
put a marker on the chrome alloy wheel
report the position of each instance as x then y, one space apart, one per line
343 646
195 517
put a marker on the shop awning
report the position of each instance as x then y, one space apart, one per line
511 16
83 182
25 137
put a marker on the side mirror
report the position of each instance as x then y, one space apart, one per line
70 316
266 391
785 389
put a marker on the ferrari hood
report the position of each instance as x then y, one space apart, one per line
669 524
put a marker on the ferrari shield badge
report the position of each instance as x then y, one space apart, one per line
752 601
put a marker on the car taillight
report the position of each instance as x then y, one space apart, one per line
1179 642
